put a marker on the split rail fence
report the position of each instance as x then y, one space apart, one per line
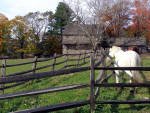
97 62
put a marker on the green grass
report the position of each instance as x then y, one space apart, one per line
28 102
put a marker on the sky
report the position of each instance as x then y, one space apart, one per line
12 8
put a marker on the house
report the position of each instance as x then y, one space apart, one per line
76 41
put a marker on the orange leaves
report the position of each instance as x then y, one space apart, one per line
106 18
116 17
141 18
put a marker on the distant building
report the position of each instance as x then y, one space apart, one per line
75 41
124 42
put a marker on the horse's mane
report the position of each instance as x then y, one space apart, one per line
116 48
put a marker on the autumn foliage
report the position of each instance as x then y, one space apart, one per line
116 17
5 30
141 19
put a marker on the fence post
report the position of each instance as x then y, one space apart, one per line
3 72
92 80
34 64
66 57
78 60
33 68
54 61
84 57
104 65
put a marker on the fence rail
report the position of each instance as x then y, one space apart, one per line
146 101
56 107
123 85
123 68
43 91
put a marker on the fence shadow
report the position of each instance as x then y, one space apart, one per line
115 107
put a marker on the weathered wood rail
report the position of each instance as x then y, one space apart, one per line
95 83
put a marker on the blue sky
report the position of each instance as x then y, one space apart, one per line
12 8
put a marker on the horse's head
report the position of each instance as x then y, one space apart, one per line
113 50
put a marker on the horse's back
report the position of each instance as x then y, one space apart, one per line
128 59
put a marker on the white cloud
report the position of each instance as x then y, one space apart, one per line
12 8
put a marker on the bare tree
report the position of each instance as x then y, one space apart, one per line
88 18
38 23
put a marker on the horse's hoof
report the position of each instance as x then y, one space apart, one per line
131 90
121 88
135 90
116 88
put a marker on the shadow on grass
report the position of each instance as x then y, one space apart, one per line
135 108
114 107
145 81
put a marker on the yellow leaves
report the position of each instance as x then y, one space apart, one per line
21 51
105 19
5 28
19 21
1 41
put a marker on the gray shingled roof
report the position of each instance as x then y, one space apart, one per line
76 29
130 41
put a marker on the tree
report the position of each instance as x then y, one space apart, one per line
51 45
5 31
51 22
20 31
140 20
116 17
38 24
62 16
88 17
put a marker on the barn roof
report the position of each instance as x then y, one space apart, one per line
123 41
74 29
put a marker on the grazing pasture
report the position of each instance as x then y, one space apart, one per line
29 102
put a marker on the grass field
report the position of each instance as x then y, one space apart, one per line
22 103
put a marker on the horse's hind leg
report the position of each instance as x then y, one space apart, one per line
130 76
122 79
134 90
117 77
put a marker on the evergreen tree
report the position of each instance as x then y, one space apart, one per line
62 17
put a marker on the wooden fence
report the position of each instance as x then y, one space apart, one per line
95 83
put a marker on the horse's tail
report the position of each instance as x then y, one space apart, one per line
136 76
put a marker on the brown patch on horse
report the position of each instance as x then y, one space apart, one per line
134 48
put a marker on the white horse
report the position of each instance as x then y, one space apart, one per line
125 59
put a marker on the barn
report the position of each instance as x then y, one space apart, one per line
75 41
